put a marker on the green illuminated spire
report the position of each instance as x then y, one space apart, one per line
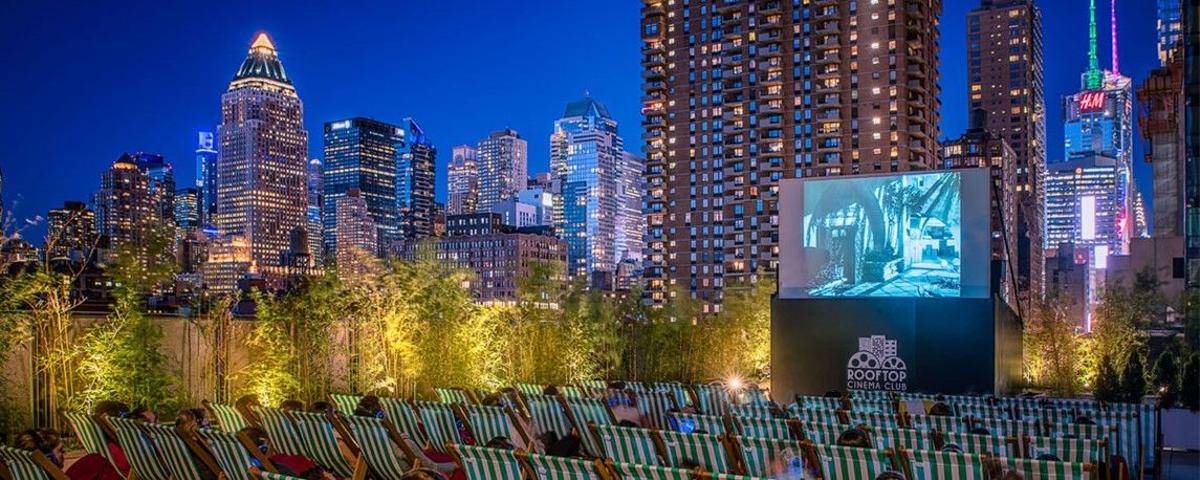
1093 78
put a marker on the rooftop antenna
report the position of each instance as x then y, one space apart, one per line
1116 65
1093 77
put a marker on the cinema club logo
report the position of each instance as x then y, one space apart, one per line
876 367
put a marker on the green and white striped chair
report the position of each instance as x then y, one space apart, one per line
705 450
346 404
906 396
633 471
453 395
28 465
571 391
562 468
90 435
1007 428
871 394
139 450
654 407
753 395
726 476
821 433
275 476
676 389
1026 408
637 387
281 431
1049 470
530 389
1129 436
712 399
812 401
982 411
384 456
1075 450
906 438
488 422
851 463
709 424
1148 420
228 417
866 405
593 384
440 424
180 459
1051 415
231 456
993 445
873 419
319 439
547 415
964 400
755 410
404 417
934 465
937 422
764 427
627 445
819 415
481 463
759 454
1077 430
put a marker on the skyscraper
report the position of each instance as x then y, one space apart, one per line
206 176
416 161
187 208
462 181
361 153
1170 30
742 94
71 233
262 159
503 167
162 182
316 205
125 207
1161 123
356 232
1006 78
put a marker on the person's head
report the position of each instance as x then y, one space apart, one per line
423 474
890 475
322 407
548 438
111 409
500 442
952 448
1084 420
980 431
1049 456
492 400
941 410
567 446
854 437
247 401
201 416
833 394
186 421
291 406
688 464
144 413
369 406
617 385
44 440
628 423
550 390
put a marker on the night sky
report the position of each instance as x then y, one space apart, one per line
85 82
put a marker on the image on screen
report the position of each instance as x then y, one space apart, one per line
884 236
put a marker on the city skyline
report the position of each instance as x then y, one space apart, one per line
618 85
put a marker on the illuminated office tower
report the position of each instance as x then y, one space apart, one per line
187 208
262 159
356 232
739 95
162 182
71 233
1170 30
631 221
361 153
1085 205
206 176
462 181
125 207
503 167
316 204
416 159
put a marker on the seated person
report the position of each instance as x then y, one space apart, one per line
88 467
144 414
291 465
939 409
118 410
291 406
370 406
854 437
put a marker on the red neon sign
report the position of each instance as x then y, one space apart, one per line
1090 101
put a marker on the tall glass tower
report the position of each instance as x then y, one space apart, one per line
361 153
415 161
206 176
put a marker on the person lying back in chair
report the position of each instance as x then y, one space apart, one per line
291 465
48 442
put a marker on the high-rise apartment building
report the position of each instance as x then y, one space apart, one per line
316 205
262 159
503 167
1170 31
187 208
356 232
162 182
416 162
742 94
125 207
206 175
71 233
361 153
1006 78
462 181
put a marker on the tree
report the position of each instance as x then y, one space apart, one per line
1107 387
1053 349
1166 377
1133 379
1189 394
1120 316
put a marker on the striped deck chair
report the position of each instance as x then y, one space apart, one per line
874 419
440 424
487 422
753 395
965 400
584 411
936 422
906 438
726 476
453 395
818 415
1007 428
811 401
404 418
529 388
694 422
870 394
654 407
90 435
711 399
631 471
982 411
678 390
593 384
755 410
866 405
1076 430
346 404
992 445
319 439
821 433
1076 450
904 396
544 467
1072 403
275 476
760 454
227 416
183 460
849 463
1057 415
547 415
637 387
627 445
778 428
481 463
28 465
1031 469
934 465
139 450
232 458
280 430
1026 408
1148 420
386 456
705 450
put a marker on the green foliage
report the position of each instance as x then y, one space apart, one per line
1053 349
1189 395
1166 376
1120 316
1133 379
1107 387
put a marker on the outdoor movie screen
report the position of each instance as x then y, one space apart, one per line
892 235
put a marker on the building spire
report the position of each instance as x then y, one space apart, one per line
1093 78
1116 65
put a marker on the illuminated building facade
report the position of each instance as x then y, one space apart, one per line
503 167
71 233
316 205
125 207
416 161
187 208
462 181
1170 30
357 235
1161 123
361 154
206 176
162 182
262 159
739 95
1085 205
